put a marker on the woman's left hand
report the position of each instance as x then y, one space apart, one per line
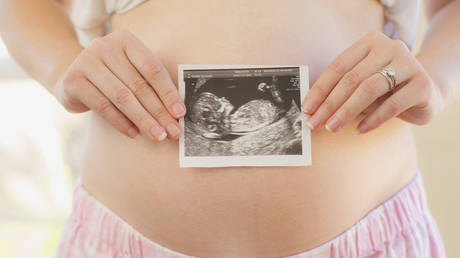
351 85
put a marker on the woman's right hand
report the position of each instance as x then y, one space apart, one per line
119 78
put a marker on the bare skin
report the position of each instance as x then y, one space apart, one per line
232 212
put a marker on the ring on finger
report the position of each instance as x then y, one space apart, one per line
390 75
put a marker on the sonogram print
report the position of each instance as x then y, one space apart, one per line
242 112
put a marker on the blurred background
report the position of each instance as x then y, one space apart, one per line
40 147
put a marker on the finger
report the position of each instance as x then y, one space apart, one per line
336 70
397 103
96 101
156 74
125 101
124 70
367 93
375 104
347 85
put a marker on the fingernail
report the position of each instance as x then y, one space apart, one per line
173 129
310 125
362 128
179 109
162 136
313 122
332 124
306 107
132 132
158 133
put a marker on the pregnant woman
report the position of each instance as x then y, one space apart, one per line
362 197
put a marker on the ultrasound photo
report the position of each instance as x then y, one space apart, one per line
243 116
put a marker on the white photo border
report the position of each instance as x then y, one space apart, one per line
258 160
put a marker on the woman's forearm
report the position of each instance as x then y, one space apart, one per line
40 36
116 76
440 52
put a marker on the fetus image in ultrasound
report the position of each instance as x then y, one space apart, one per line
233 114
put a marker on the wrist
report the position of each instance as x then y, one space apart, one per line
60 67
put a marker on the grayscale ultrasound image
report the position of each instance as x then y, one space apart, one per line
242 112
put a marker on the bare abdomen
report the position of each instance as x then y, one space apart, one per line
248 211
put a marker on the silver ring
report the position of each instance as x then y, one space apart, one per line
390 75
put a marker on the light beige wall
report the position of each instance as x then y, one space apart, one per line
439 150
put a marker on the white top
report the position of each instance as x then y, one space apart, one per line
90 17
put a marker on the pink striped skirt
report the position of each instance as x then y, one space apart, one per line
402 226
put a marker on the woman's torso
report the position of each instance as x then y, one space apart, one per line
248 212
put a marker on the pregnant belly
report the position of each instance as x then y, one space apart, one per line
248 211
